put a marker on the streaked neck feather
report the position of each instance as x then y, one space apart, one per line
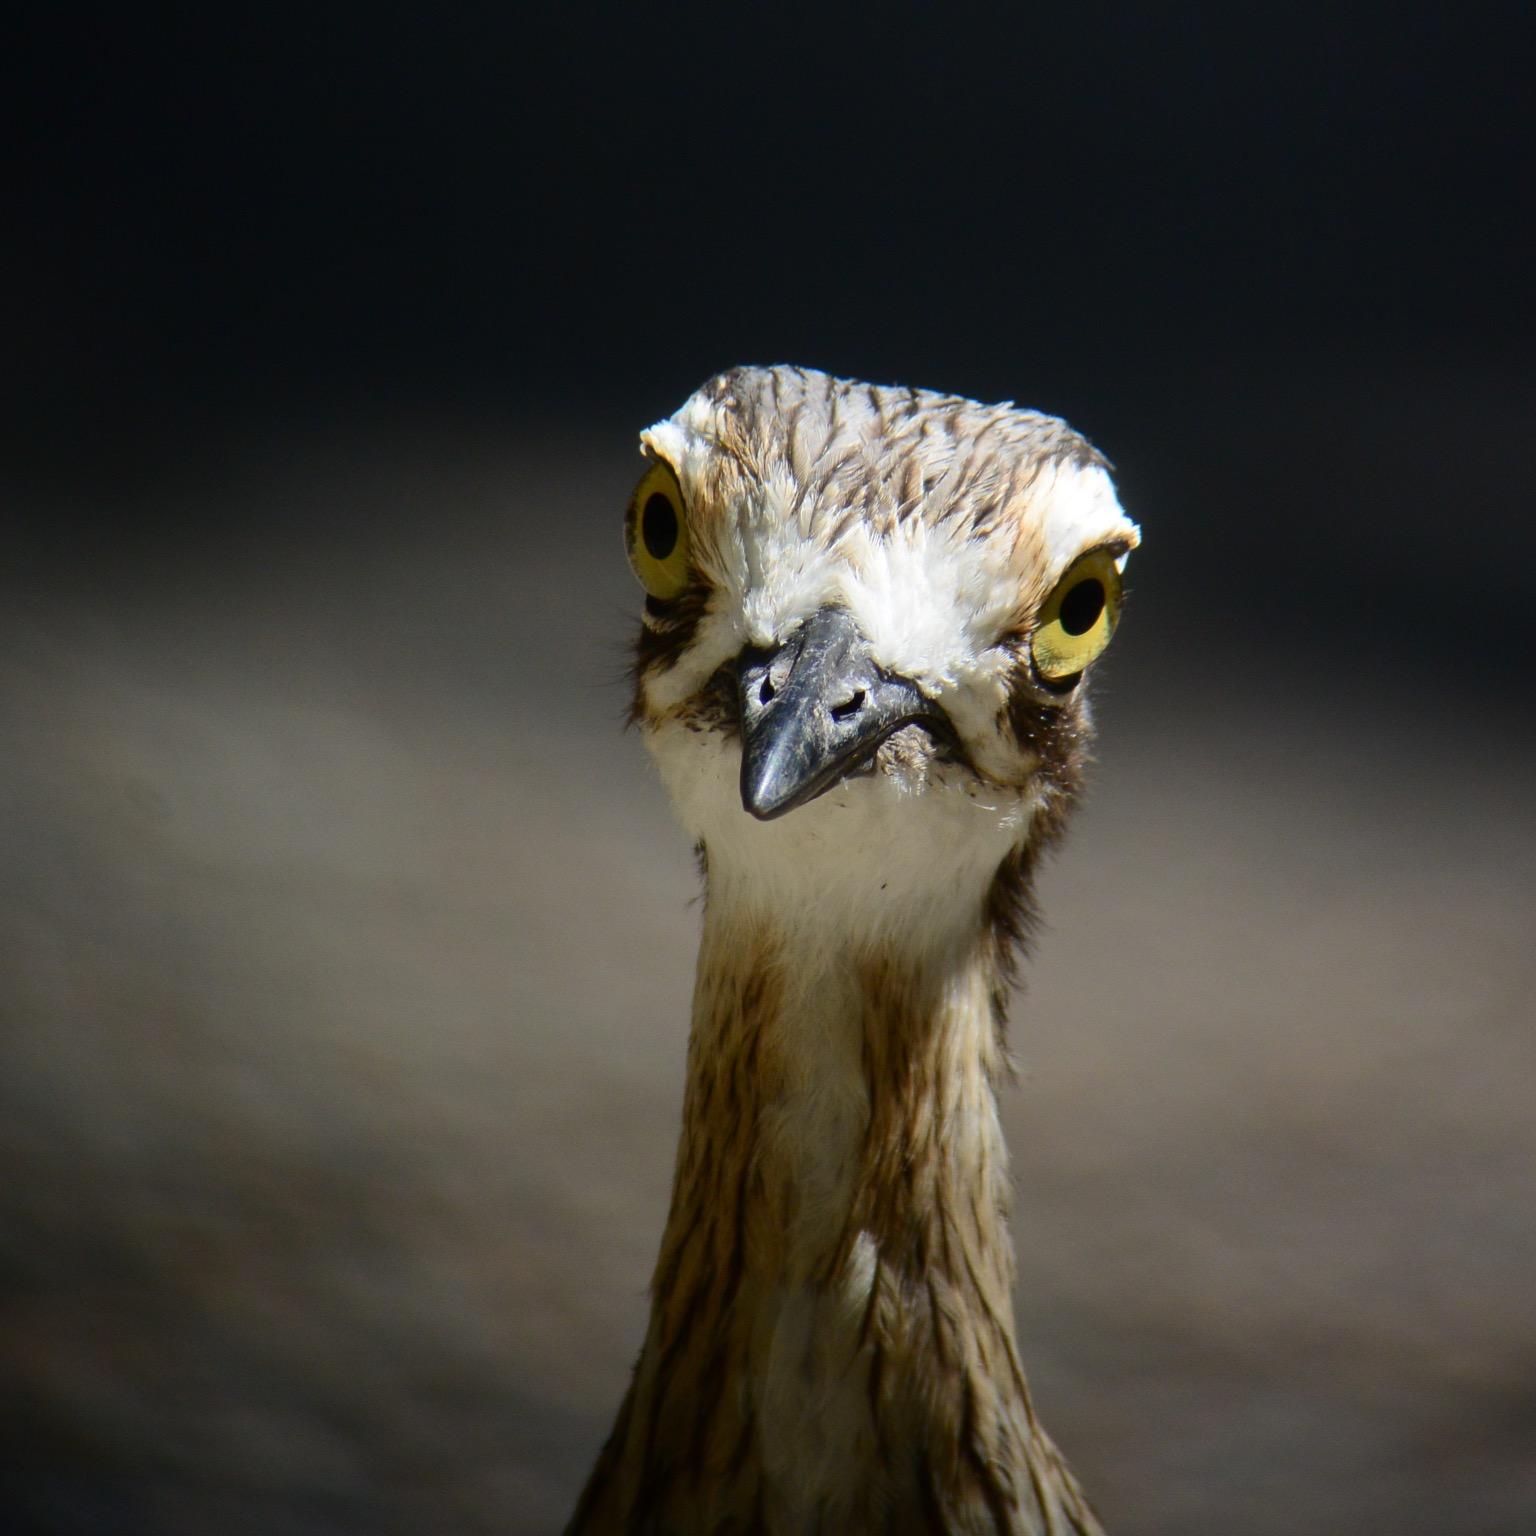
831 1343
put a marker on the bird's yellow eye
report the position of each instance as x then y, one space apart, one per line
1078 618
656 532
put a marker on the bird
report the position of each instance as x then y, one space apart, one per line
869 619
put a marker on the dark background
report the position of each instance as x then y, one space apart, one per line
1277 261
346 941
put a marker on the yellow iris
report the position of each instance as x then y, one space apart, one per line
656 532
1078 617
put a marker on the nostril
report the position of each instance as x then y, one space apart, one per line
848 707
765 693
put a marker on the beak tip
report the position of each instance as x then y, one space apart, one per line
763 797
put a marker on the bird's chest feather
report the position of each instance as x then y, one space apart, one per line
809 1386
841 1391
808 1361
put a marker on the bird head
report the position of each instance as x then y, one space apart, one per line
869 616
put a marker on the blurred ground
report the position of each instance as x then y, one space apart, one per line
346 945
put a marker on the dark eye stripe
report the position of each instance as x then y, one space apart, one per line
1053 732
668 631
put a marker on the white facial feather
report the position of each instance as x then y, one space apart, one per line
881 853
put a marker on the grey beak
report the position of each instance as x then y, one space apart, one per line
816 708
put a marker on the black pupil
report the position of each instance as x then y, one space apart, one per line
1081 607
658 526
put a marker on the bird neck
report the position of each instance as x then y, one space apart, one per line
831 1323
849 1080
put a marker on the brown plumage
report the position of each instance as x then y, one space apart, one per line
869 615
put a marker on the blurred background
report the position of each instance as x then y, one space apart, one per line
346 940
